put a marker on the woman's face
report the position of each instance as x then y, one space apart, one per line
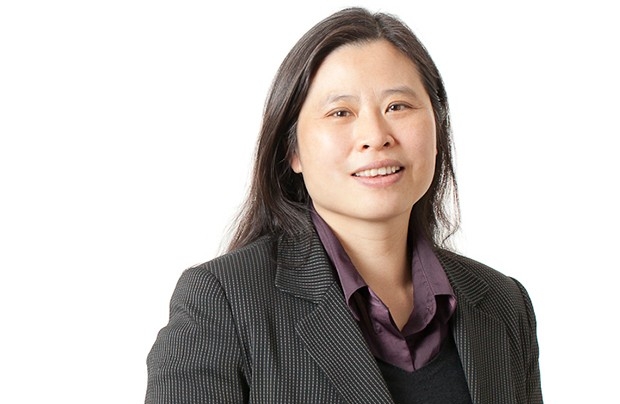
366 135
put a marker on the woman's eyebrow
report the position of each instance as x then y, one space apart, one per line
398 90
334 97
404 90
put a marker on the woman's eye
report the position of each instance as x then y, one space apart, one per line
396 107
341 114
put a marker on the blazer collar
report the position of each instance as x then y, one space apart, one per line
329 333
303 267
467 285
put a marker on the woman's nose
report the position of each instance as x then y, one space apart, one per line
373 132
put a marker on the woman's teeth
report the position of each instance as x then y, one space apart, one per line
374 172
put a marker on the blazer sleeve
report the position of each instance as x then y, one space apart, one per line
197 357
533 384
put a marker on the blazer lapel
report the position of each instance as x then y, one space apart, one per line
481 339
329 332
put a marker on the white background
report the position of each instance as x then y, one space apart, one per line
127 130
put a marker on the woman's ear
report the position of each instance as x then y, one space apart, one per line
295 162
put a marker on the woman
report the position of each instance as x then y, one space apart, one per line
335 287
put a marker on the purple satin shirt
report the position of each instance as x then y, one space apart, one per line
434 303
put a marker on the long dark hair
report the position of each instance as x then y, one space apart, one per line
277 201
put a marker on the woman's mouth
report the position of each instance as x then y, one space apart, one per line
377 172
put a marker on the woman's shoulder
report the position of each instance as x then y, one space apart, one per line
247 261
245 274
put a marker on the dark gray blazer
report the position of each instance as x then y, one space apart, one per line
268 324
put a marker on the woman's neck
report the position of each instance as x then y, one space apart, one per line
378 249
379 252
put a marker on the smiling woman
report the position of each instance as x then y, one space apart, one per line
337 286
350 129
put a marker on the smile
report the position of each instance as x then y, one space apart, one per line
378 172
